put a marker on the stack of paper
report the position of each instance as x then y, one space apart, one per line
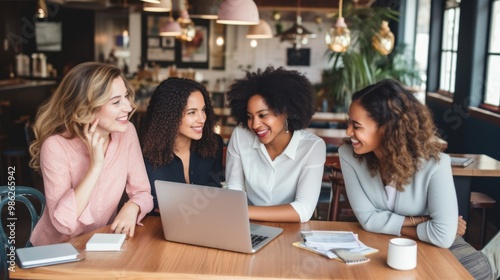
105 242
326 242
330 239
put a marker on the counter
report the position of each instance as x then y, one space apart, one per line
25 96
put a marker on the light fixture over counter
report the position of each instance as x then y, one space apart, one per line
238 12
338 38
158 7
298 35
260 31
41 9
206 9
383 41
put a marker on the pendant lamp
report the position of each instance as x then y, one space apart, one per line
188 30
238 12
260 31
338 38
298 35
383 41
41 10
162 6
206 9
171 28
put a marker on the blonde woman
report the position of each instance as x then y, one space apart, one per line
88 153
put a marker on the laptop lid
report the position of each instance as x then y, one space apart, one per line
209 217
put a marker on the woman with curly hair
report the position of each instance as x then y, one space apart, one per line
88 153
397 180
178 139
270 156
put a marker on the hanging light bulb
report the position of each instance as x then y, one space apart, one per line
188 30
383 41
253 43
338 38
41 10
219 41
298 35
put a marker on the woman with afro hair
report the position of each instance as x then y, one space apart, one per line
270 155
178 139
397 179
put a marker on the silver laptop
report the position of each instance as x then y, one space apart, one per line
210 217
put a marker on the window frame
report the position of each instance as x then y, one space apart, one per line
449 52
489 53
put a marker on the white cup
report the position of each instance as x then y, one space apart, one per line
402 254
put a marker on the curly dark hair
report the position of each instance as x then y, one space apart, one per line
410 133
284 91
163 118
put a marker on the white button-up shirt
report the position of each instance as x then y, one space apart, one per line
293 177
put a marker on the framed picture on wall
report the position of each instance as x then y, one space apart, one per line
166 51
300 57
167 42
195 53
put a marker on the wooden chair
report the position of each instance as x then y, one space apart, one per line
4 265
326 190
481 201
337 205
25 195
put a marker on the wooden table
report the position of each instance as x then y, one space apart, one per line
224 114
332 136
148 255
482 166
329 117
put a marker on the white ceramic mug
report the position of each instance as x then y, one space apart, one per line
402 254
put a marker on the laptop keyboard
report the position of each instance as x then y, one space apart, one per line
256 239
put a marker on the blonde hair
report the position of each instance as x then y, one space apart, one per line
82 92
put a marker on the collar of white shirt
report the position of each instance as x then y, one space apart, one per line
290 150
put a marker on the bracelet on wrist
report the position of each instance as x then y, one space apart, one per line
412 220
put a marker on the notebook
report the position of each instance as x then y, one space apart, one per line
105 242
461 161
46 255
210 217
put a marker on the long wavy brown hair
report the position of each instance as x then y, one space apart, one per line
80 95
410 133
164 116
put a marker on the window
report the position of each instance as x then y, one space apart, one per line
492 89
449 46
422 38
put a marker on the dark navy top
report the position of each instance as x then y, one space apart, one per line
202 171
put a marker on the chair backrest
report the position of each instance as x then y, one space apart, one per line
9 195
4 266
337 205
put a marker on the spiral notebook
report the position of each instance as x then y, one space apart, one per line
350 257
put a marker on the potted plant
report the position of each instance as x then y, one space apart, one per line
362 65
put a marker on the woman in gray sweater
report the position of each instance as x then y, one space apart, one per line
397 180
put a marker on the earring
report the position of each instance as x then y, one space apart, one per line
286 126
